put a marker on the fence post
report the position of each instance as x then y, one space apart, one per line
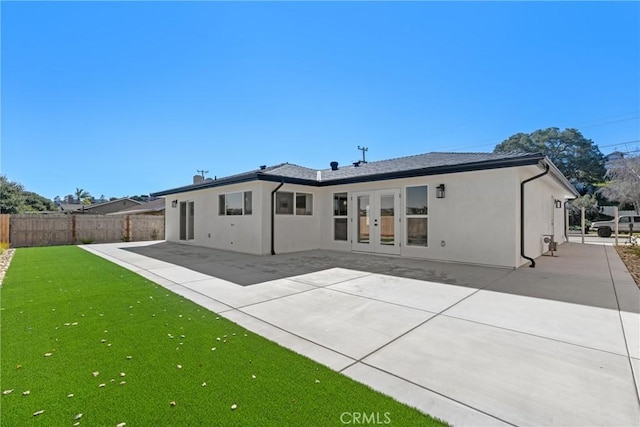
616 214
582 223
5 229
73 229
128 228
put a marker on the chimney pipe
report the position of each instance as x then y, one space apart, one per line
197 179
334 166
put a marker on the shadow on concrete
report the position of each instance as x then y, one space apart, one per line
580 274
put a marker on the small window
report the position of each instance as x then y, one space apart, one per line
284 203
417 209
221 204
625 219
247 203
304 204
233 205
340 220
239 203
340 204
417 201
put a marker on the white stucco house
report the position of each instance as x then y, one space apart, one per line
479 208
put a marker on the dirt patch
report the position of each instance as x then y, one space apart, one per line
5 260
631 257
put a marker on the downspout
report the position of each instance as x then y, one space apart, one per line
273 218
522 254
566 224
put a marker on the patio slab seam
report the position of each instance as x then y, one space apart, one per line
427 320
431 390
533 335
624 332
296 335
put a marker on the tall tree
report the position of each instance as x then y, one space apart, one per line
624 184
11 196
577 157
14 199
81 195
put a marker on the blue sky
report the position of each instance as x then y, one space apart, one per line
126 98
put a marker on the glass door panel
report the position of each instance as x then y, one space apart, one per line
387 219
364 220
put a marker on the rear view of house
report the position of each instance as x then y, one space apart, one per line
479 208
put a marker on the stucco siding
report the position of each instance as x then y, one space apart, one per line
477 222
475 219
241 233
541 216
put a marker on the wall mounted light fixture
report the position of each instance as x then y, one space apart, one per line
440 191
174 203
558 204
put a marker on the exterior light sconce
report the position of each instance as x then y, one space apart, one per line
440 191
558 204
174 203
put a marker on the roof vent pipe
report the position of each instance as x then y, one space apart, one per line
319 176
334 166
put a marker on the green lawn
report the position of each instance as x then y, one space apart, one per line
80 335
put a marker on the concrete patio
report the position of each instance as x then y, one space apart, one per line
474 346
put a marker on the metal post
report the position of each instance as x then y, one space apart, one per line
617 217
582 223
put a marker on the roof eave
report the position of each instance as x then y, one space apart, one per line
440 170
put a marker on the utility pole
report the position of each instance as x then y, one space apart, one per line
363 149
202 172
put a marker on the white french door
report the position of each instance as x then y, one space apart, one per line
376 219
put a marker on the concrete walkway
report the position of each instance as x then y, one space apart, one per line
475 346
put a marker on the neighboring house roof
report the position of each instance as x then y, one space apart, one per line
70 207
402 167
152 206
98 205
77 207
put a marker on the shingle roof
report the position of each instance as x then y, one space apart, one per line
400 164
418 165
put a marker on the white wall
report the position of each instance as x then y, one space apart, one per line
476 219
297 232
541 216
241 233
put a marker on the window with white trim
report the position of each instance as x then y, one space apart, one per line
285 201
417 215
340 216
238 203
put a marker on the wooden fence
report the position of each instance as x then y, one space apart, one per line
65 229
4 229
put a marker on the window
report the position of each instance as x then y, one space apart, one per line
304 204
239 203
340 210
285 203
417 209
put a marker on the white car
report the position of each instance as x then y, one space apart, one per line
625 224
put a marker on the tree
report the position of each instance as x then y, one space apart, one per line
11 196
624 182
82 196
590 205
36 203
14 199
577 157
